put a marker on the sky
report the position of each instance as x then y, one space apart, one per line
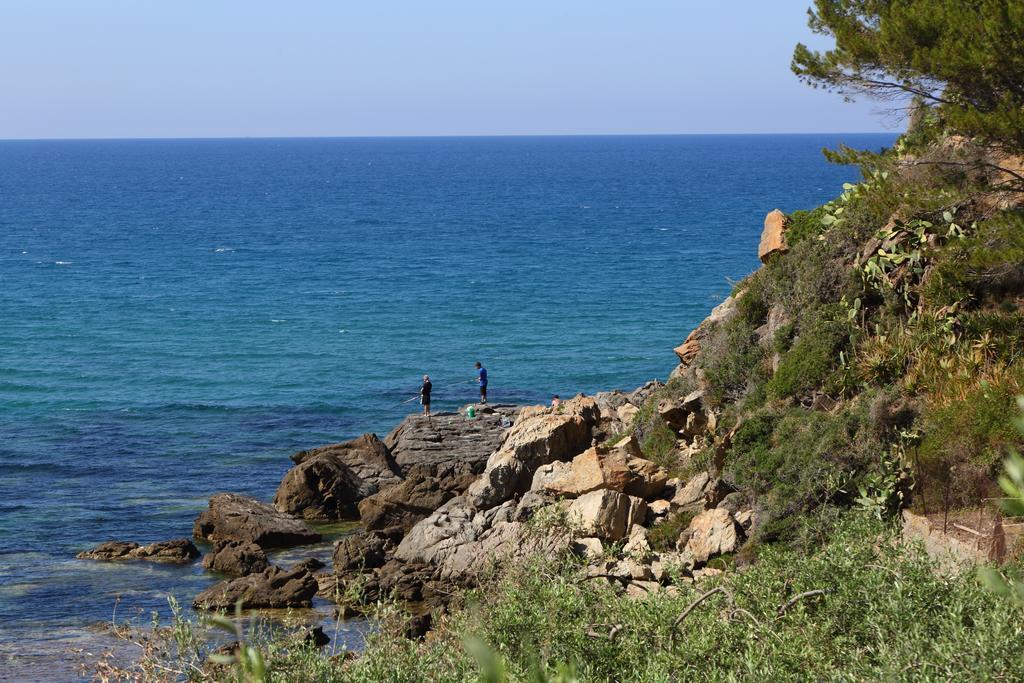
234 68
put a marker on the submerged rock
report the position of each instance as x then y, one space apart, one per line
235 558
232 517
272 588
327 483
178 551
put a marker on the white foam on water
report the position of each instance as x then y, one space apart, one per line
63 263
221 250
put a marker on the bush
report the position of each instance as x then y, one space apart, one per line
811 360
804 225
733 360
987 266
964 442
798 460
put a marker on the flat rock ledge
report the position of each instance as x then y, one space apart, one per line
232 517
178 551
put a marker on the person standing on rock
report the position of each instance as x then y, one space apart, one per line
425 394
481 376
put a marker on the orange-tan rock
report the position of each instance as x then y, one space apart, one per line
773 236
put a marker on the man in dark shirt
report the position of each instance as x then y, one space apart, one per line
481 376
425 394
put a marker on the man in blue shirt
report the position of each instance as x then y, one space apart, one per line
481 375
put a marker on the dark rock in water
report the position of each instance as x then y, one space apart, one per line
316 637
310 564
447 438
232 517
404 504
272 588
360 551
111 550
178 551
346 612
327 483
235 558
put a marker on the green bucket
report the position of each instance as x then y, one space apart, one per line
470 412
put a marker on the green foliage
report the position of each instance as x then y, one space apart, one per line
812 360
248 663
986 266
1012 484
659 445
797 460
964 440
805 225
733 359
884 615
966 59
663 537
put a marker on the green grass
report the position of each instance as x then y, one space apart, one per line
885 615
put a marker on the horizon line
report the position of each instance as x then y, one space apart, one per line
429 136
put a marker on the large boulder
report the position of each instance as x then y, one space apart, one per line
593 470
272 588
773 236
503 542
232 517
700 492
235 558
536 439
327 483
448 438
433 539
711 533
404 504
607 514
178 551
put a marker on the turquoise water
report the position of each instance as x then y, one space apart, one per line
177 317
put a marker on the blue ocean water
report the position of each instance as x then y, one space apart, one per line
177 317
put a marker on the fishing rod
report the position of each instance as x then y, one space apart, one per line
410 400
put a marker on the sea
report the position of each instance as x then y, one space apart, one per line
178 316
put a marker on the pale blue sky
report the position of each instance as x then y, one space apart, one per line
198 68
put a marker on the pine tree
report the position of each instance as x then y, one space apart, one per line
964 58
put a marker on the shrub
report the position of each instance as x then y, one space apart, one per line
798 460
964 442
663 536
804 225
813 357
987 266
733 360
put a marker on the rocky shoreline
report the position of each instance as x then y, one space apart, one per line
442 500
